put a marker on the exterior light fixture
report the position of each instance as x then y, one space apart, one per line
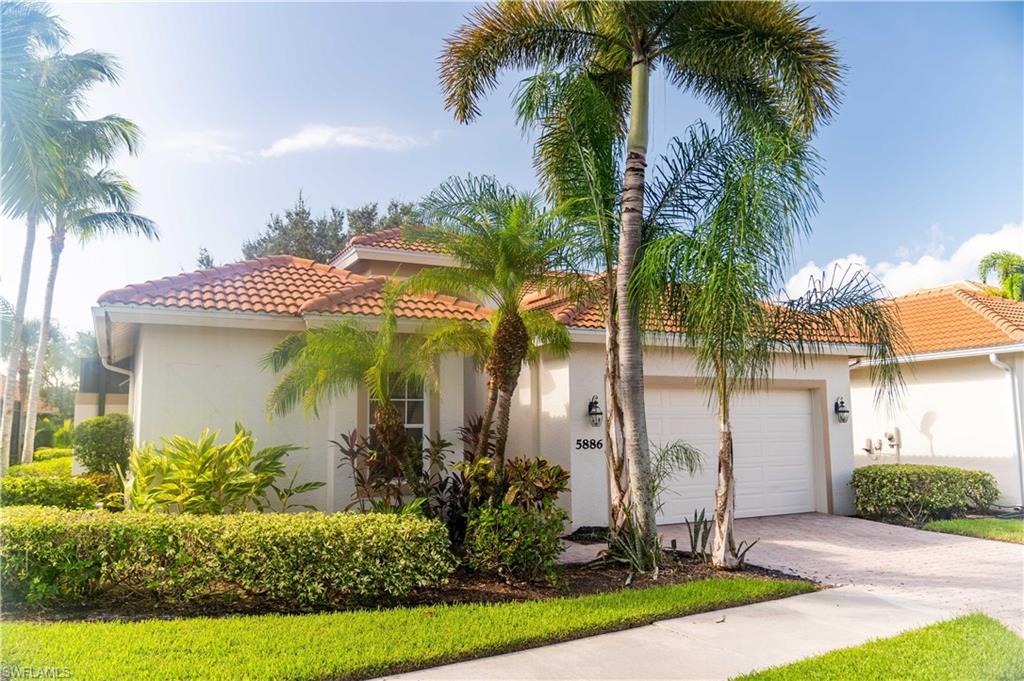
842 411
594 412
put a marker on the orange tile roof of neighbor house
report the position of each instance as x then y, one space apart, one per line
959 316
285 285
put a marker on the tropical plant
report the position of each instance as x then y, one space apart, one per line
319 364
49 433
762 63
713 281
699 532
506 246
85 202
203 477
515 542
43 94
1009 270
534 483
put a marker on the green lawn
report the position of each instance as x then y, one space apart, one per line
984 528
972 648
354 644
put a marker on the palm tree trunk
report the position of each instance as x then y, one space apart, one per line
503 415
487 419
723 549
618 483
31 407
638 456
14 352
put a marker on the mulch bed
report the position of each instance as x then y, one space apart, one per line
575 579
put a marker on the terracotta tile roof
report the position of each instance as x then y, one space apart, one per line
959 316
285 285
392 238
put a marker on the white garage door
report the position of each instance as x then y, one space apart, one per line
773 449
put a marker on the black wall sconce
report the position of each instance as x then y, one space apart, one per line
594 412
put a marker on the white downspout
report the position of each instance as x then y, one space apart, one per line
104 357
996 362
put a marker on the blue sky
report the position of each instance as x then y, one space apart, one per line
245 104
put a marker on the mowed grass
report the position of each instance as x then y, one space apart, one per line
983 528
972 648
355 644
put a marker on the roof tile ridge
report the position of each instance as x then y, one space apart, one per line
358 288
992 316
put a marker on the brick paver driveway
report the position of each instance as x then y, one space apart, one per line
959 574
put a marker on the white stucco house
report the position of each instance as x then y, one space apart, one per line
964 371
190 346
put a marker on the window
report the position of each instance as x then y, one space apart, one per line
409 398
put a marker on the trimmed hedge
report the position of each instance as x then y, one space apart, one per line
103 443
63 492
42 469
917 493
47 453
298 560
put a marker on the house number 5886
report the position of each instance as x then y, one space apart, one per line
586 443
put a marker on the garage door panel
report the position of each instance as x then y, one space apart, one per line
772 445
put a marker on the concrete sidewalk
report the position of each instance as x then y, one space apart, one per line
714 645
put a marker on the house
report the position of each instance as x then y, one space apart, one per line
191 345
964 370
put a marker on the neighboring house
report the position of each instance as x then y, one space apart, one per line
192 344
965 373
101 391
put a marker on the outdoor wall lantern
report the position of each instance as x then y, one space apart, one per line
594 412
842 411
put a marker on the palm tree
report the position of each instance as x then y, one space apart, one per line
41 107
319 364
88 206
717 276
1009 270
760 62
507 246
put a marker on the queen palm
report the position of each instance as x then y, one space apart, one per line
43 94
760 62
506 246
1009 270
319 364
714 281
87 205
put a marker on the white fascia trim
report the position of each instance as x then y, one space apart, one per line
356 253
954 354
149 314
318 320
588 335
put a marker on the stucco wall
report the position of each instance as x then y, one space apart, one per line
190 377
956 412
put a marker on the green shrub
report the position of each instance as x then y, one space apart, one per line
43 469
47 453
50 433
103 443
50 491
59 558
515 542
200 476
917 493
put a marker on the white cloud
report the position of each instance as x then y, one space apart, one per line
206 146
345 137
929 269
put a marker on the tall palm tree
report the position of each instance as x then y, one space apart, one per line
41 107
714 281
1009 270
507 246
761 62
86 205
